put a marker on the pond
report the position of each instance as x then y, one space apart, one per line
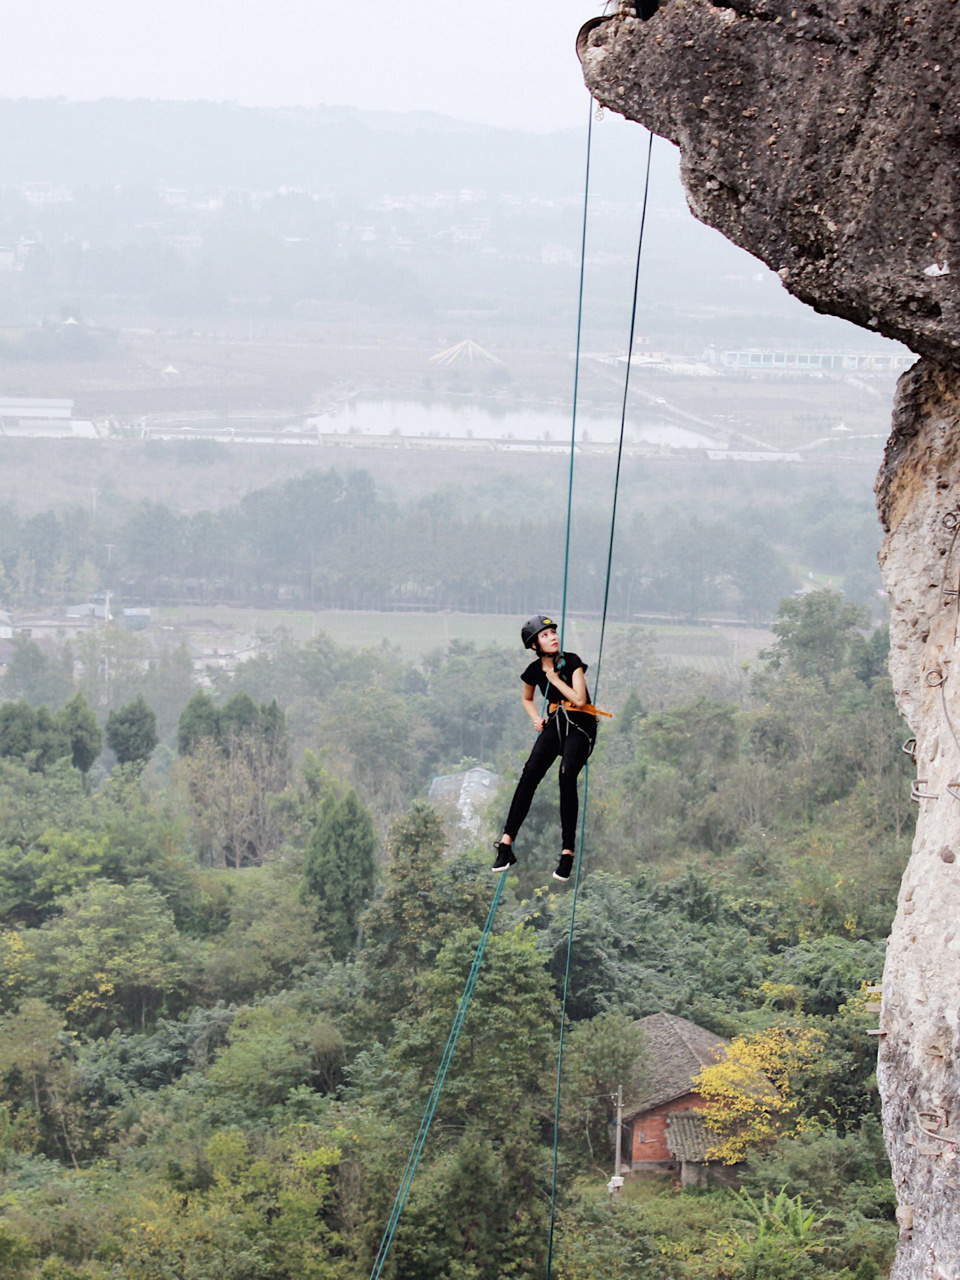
538 427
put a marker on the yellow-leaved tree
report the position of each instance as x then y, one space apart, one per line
750 1092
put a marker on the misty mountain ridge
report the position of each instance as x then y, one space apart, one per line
326 149
130 211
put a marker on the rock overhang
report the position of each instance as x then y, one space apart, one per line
823 138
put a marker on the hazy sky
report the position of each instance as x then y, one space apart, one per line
502 63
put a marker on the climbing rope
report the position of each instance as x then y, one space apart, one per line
576 375
586 774
433 1099
426 1119
439 1079
623 408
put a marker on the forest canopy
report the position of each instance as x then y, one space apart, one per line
228 967
329 539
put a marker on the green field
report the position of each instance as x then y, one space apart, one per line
714 650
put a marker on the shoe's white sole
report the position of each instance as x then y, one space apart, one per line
562 879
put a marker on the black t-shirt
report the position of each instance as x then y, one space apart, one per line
536 676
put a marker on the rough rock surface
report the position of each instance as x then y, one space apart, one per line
918 492
825 139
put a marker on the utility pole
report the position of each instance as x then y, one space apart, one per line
616 1182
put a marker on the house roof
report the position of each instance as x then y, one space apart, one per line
687 1136
675 1050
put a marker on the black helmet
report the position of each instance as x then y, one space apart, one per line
532 628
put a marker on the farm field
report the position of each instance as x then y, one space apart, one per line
713 649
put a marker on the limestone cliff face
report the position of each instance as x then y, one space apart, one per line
825 139
919 1064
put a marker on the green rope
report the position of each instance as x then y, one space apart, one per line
623 407
426 1119
576 377
563 1023
586 775
440 1079
563 623
433 1099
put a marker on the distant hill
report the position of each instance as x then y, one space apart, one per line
507 251
221 144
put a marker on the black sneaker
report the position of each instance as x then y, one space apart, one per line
505 858
564 867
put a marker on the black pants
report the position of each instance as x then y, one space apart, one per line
563 737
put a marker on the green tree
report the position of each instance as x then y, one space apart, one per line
375 729
600 1239
33 879
132 732
271 1050
339 868
235 761
601 1054
239 715
80 725
168 685
31 803
462 1221
18 726
113 956
695 738
32 1067
51 740
841 1173
16 1254
35 737
869 655
199 719
508 1034
271 934
471 693
427 897
35 676
815 634
112 662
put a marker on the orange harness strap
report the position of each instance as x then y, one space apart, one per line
588 709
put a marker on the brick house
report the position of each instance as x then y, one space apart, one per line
662 1131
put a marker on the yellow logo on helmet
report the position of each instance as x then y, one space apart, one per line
548 622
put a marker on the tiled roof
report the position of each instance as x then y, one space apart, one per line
687 1137
675 1049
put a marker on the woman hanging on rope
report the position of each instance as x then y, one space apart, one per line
568 732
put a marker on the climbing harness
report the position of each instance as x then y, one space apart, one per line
588 709
560 717
557 710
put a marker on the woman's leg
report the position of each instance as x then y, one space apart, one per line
576 751
545 751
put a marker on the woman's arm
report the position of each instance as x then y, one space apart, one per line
576 692
530 706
